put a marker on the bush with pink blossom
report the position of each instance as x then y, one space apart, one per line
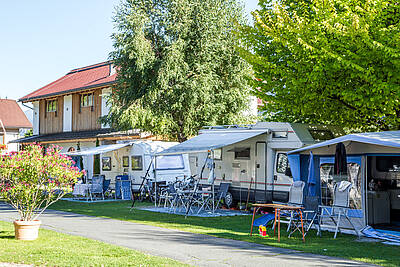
34 178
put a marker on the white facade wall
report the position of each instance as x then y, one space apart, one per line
35 117
10 136
67 114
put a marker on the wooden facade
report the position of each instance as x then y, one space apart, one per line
51 122
83 118
86 118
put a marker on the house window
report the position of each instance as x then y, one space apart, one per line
137 163
51 105
87 100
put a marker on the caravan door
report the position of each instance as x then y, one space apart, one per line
282 181
260 191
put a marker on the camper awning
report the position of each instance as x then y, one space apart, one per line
211 140
97 150
390 139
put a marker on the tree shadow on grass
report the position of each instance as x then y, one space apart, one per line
6 235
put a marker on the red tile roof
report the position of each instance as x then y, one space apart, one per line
76 80
12 115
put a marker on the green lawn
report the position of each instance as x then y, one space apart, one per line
237 227
55 249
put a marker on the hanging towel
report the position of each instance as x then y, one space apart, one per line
340 166
343 185
298 184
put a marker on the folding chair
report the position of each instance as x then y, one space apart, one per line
96 187
126 190
311 213
221 193
106 186
296 198
340 207
171 196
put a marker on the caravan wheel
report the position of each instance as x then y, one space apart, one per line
228 200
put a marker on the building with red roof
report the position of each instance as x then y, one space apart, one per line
13 123
66 112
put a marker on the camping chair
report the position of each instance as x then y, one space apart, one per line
81 190
310 216
213 200
296 197
125 189
221 193
96 187
170 196
340 207
106 186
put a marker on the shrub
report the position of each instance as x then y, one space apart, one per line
34 178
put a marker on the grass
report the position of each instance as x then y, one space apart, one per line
56 249
238 227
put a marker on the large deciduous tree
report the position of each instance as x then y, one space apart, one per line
326 61
177 65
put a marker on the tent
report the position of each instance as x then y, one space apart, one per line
370 156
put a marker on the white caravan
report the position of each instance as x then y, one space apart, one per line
135 159
251 158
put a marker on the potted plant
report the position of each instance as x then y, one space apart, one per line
33 179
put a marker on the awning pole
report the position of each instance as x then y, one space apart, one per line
141 185
155 181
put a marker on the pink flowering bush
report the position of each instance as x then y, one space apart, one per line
31 180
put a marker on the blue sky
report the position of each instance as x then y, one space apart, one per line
42 40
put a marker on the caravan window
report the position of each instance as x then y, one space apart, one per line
282 163
169 162
217 154
137 163
106 163
242 153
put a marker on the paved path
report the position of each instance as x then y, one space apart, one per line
195 249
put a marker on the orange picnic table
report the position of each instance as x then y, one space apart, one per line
278 208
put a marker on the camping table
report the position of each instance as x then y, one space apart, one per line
189 193
278 208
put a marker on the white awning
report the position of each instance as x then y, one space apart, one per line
97 150
211 140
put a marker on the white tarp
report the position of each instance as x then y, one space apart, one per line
212 140
98 150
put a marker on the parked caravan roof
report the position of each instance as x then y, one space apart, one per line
215 137
361 143
212 140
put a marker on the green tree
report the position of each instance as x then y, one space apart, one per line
178 69
326 61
